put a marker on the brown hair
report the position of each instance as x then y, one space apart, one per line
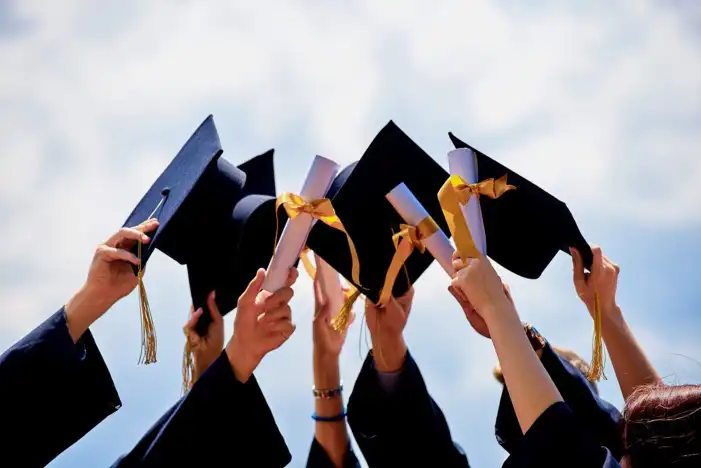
662 426
567 354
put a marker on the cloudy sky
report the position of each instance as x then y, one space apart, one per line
598 102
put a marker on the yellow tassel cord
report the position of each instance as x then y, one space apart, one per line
596 370
188 366
148 331
342 319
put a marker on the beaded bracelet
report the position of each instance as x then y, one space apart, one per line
339 417
325 394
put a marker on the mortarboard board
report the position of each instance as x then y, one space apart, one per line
200 192
358 196
526 227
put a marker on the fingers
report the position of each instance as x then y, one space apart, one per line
283 328
111 254
597 264
406 300
254 287
292 277
608 262
148 225
283 313
192 320
320 301
127 234
213 308
280 298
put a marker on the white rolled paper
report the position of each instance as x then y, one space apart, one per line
294 236
413 213
330 283
462 162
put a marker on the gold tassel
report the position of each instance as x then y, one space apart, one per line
596 370
148 331
188 366
342 319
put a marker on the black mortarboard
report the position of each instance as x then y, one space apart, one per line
525 227
217 218
598 417
358 196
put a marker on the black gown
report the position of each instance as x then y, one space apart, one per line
318 458
219 422
52 393
403 427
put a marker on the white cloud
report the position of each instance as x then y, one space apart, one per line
599 104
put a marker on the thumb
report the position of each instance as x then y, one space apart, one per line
577 266
249 295
320 302
213 308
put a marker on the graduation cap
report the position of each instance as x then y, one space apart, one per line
525 228
234 207
358 196
599 417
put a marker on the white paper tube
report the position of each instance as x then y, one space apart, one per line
294 236
462 162
330 283
413 213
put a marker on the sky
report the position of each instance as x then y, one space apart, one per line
597 102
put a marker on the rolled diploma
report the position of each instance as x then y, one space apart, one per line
330 284
294 236
462 162
413 213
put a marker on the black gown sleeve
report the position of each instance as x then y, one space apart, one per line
555 440
219 422
319 459
52 392
401 427
597 417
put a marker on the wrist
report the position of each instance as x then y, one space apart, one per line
499 310
83 309
242 362
389 353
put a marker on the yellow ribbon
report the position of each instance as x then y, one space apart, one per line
405 241
308 267
456 192
320 209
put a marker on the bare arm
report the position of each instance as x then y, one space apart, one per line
331 435
629 361
531 389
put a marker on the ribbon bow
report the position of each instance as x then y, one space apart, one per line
405 241
320 209
456 192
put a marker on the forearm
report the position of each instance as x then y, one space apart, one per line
531 389
389 353
331 435
629 361
82 310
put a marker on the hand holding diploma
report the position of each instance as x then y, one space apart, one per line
421 232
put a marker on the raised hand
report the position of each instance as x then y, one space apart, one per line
386 326
110 278
327 341
603 280
205 349
263 323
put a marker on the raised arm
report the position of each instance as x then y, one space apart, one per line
629 361
331 445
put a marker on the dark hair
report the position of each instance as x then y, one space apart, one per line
662 426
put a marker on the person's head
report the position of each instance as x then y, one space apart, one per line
662 427
567 354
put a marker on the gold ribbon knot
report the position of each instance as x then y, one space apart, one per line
405 241
320 209
456 192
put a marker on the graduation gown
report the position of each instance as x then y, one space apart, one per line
556 439
597 417
52 393
219 422
318 458
403 427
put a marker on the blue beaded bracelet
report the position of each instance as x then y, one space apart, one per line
338 417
